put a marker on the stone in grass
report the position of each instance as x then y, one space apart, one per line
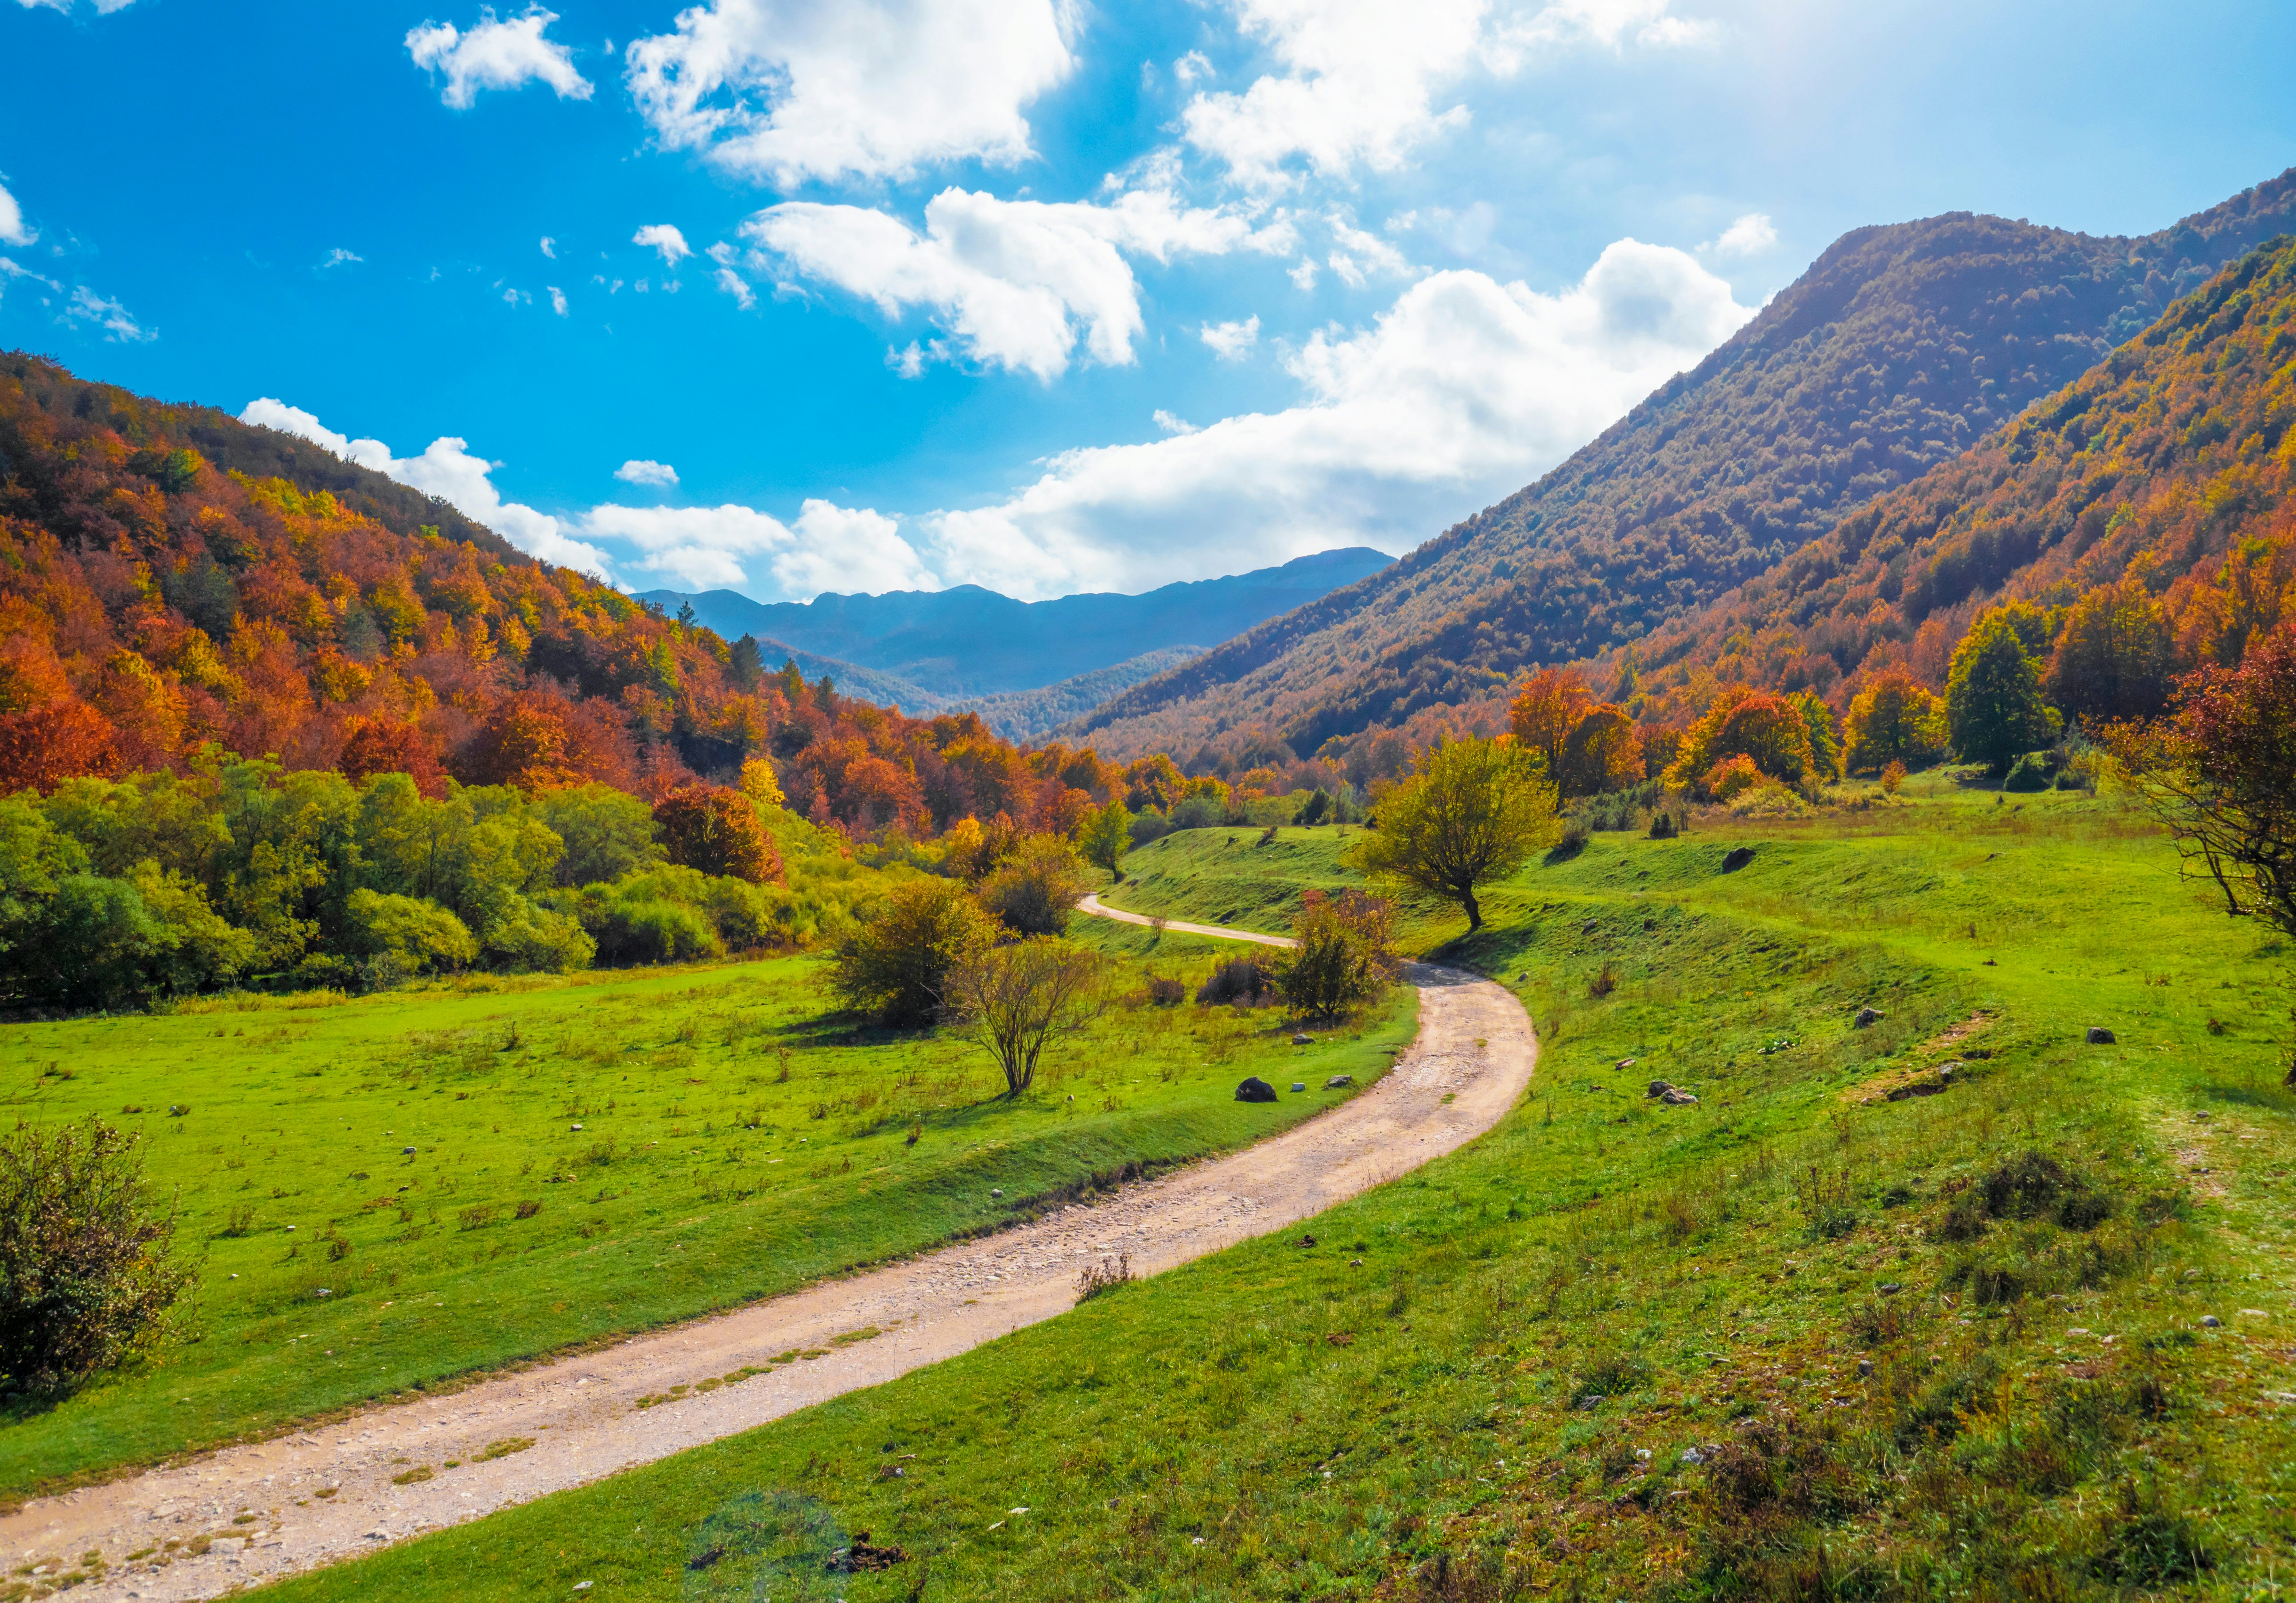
1336 1081
1867 1017
1297 1086
2098 1035
1303 1040
1671 1094
1737 859
1255 1090
2210 1321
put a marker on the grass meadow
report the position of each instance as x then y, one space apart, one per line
1795 1339
390 1192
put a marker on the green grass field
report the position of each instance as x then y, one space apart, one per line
389 1192
1771 1344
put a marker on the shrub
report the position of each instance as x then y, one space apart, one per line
1198 812
1663 826
2034 771
1730 776
1016 998
87 1275
1341 957
1035 891
1099 1279
405 935
898 961
1166 993
1238 979
1893 776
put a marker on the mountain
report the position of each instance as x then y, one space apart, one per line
174 582
2171 461
1898 348
971 642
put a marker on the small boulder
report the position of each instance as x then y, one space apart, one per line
1303 1040
1255 1090
1659 1087
1589 926
1737 859
409 1151
1888 1289
2210 1321
1867 1017
2098 1035
1336 1081
1297 1086
1676 1097
1624 1063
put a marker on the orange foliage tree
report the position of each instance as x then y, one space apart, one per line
1604 751
713 827
1545 710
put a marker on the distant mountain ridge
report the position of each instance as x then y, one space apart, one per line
968 641
1894 353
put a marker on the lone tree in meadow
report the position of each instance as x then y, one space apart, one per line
1470 811
1995 711
1015 998
1105 835
896 962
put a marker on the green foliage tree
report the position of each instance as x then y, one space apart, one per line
897 960
1994 706
1472 811
87 1276
1015 998
1105 834
2115 657
1342 954
1035 891
1817 723
404 936
606 833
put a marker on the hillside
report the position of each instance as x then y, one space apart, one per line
1898 349
970 641
2170 460
156 596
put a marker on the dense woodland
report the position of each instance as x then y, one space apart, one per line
1897 350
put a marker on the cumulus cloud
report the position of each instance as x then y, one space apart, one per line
738 287
827 547
788 90
1016 282
1229 341
1172 423
557 299
13 229
1750 235
496 54
103 8
1362 81
1464 390
339 257
665 238
550 247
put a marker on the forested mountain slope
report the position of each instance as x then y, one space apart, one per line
2164 472
966 641
156 600
1898 349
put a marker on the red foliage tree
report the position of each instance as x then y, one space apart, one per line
715 829
43 747
380 746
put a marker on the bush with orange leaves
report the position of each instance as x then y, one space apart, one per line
715 829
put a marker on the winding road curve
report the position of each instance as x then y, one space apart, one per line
1471 1062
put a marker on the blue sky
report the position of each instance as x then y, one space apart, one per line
1038 294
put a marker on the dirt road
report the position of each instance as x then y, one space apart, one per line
320 1495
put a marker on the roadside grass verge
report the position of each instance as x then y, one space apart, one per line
589 1157
1792 1340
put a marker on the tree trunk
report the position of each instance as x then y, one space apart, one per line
1474 912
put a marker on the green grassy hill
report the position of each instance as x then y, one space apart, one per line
387 1193
2026 1338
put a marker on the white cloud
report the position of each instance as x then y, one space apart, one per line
1171 423
1361 256
1015 281
1750 235
339 257
86 306
828 547
1362 80
665 238
13 229
908 362
496 54
1464 390
735 285
550 247
1192 66
1303 273
796 89
1230 340
103 8
557 299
